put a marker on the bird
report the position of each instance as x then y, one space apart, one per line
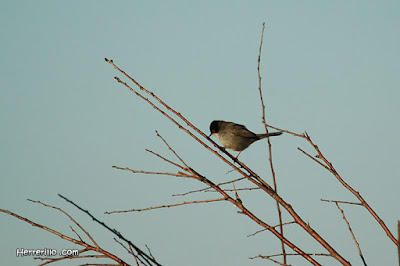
234 136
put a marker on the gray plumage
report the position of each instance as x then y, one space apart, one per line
234 136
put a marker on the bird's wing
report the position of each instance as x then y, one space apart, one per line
242 131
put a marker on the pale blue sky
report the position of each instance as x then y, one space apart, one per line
331 68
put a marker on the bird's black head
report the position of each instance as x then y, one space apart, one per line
214 127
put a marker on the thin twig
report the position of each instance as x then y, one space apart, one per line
287 131
315 160
136 257
148 249
268 258
76 233
262 230
269 143
179 174
167 206
142 254
352 234
208 188
73 220
238 189
165 159
340 201
130 251
292 254
53 260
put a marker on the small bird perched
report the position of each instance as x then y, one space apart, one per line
234 136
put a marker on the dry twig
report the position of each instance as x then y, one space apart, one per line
142 256
269 145
352 234
238 203
96 248
340 201
167 206
251 175
329 166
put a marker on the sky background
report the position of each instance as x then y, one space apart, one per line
330 68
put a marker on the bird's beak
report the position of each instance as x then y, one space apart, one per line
210 134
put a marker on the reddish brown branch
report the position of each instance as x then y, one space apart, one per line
179 174
167 206
353 191
340 201
271 259
149 260
351 232
72 219
331 169
52 260
165 159
398 239
269 144
252 176
75 241
130 250
238 203
259 231
208 188
315 160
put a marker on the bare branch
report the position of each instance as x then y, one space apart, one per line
179 174
209 188
78 242
252 176
259 231
340 179
76 233
353 191
344 202
269 143
315 160
352 234
75 222
142 254
165 159
167 206
130 251
269 258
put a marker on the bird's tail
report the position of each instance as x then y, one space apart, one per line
262 136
